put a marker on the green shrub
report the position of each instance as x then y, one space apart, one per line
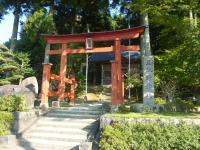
6 120
179 105
12 103
151 136
160 101
124 109
139 107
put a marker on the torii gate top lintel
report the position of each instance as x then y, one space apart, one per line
131 33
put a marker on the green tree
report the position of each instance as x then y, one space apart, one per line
24 69
14 66
18 7
32 40
174 33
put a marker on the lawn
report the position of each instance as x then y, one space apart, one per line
155 115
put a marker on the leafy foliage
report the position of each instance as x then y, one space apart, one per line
160 101
6 120
179 105
150 136
174 36
14 66
134 82
32 40
12 103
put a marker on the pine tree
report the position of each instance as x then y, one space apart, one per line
14 66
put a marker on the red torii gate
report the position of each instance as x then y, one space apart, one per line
64 40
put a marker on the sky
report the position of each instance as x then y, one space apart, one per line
6 26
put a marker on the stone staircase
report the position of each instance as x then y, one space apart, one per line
63 128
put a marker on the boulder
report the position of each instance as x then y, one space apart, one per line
29 95
30 83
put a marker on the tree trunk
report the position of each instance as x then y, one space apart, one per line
146 39
191 19
195 19
51 10
51 13
15 26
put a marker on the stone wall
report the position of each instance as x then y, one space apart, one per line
23 120
107 120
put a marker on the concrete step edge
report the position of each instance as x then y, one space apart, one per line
49 142
55 136
56 129
41 122
89 120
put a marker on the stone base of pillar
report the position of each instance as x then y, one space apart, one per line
55 104
44 107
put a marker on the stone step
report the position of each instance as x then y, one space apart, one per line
63 128
42 144
55 136
72 113
82 107
77 116
68 120
92 112
60 130
43 123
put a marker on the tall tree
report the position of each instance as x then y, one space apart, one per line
31 39
17 7
14 66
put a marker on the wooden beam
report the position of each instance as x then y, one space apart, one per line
131 33
45 83
63 72
130 48
55 77
68 95
56 94
94 50
53 93
114 82
69 81
118 70
72 88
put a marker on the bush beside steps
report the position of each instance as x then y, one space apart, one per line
151 136
8 105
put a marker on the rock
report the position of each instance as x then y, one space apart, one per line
85 146
29 95
55 104
31 83
138 107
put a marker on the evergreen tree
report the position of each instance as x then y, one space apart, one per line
14 66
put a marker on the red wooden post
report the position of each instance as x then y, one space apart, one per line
114 82
117 45
122 88
63 71
72 90
45 84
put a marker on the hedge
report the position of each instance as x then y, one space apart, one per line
12 103
150 136
6 120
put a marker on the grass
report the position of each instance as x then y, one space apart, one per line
155 115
